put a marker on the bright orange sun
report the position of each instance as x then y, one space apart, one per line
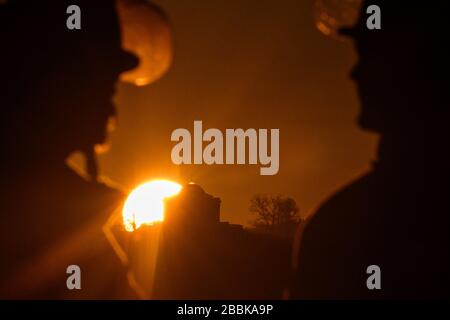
145 204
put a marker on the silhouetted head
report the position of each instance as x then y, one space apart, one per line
57 84
401 67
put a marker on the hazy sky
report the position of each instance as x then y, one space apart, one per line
247 64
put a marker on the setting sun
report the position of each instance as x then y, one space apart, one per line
145 204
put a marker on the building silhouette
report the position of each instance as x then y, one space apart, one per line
193 206
200 257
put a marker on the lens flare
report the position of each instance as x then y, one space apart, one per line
145 204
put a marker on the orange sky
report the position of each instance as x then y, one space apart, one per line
247 64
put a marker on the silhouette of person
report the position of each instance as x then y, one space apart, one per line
397 215
56 91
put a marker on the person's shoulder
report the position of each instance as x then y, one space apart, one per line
341 206
97 187
91 196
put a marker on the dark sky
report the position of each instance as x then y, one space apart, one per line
247 64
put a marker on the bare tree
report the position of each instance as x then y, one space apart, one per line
275 214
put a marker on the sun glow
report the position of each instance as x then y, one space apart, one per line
145 204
